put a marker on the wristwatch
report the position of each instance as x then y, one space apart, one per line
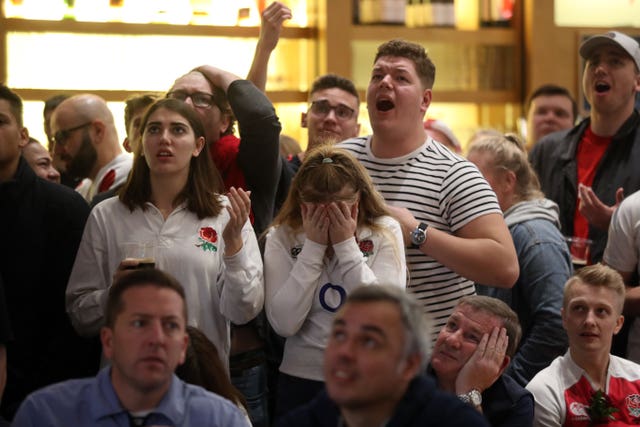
472 398
419 235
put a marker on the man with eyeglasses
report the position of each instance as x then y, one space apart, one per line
86 139
332 115
251 162
334 102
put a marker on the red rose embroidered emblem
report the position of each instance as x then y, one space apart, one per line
208 236
366 247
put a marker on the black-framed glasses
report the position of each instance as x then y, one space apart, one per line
60 138
199 99
323 107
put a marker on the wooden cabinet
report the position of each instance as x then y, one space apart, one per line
291 87
479 66
478 71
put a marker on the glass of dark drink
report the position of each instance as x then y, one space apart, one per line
143 252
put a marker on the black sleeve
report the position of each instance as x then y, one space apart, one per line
5 325
259 152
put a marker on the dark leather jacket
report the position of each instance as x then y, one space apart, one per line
554 159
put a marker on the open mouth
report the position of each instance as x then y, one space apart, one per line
164 154
384 105
602 87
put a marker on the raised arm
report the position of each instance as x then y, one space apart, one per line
273 18
242 295
218 77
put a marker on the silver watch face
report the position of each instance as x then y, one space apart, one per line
476 397
418 236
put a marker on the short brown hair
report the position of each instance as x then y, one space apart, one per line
135 103
330 81
501 310
15 103
139 278
425 68
597 275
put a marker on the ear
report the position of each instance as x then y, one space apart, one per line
24 138
619 323
426 100
509 180
225 122
638 81
303 120
410 367
127 145
199 146
106 337
99 129
185 344
564 324
505 363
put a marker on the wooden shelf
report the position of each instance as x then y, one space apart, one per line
465 96
483 36
283 96
70 26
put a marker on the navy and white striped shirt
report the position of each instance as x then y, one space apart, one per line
441 189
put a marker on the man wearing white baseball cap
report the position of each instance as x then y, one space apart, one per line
587 170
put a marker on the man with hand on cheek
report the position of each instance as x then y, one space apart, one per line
470 355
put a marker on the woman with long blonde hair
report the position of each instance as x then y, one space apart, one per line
543 255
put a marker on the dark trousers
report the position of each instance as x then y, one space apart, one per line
295 391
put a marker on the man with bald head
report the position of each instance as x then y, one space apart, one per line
85 138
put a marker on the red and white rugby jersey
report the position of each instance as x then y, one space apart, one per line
562 392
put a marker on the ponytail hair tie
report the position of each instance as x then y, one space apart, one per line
327 160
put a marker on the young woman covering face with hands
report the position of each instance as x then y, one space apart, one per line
332 235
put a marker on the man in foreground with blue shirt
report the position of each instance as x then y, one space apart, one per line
145 339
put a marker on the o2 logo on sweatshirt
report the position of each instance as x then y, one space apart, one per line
332 297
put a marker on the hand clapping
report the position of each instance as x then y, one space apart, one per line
239 208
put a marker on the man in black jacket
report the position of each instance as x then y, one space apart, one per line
41 224
589 168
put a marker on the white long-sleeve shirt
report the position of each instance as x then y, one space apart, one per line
304 289
218 289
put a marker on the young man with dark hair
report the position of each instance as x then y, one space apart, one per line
550 108
448 212
587 170
41 225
